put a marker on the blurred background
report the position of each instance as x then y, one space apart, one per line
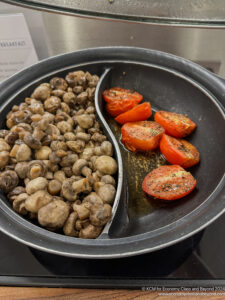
54 34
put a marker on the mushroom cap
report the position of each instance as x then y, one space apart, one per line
8 181
39 183
107 193
21 169
36 168
106 164
37 200
67 190
54 214
101 215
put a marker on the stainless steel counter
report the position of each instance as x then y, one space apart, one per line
198 13
54 34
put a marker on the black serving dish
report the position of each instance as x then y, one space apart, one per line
169 83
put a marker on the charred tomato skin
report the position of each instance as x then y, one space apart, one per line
168 183
140 112
179 151
176 125
120 94
141 136
119 107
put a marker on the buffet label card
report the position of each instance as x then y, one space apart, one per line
16 47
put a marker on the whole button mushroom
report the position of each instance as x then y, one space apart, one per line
67 190
78 166
106 165
107 193
42 92
35 201
21 169
70 99
82 98
52 104
54 214
36 107
8 181
39 183
85 121
76 78
36 168
100 215
43 153
23 153
54 187
64 127
58 83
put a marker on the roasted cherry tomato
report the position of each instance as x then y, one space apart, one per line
176 125
168 183
141 136
119 94
179 152
140 112
118 107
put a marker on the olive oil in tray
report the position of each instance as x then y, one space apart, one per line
135 168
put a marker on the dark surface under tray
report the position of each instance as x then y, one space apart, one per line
197 261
